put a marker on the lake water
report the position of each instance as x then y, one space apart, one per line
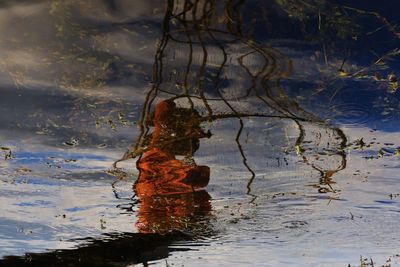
115 113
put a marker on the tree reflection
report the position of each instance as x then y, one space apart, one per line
167 187
184 212
207 64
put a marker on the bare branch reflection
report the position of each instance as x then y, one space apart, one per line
207 68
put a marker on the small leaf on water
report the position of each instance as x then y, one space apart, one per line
42 132
125 122
112 125
377 77
8 155
299 149
24 170
71 142
343 73
393 86
392 77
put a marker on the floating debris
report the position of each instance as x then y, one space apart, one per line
72 142
24 170
7 154
101 145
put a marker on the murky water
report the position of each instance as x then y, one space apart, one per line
199 133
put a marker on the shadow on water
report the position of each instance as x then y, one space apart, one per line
121 249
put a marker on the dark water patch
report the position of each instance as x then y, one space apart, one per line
387 202
114 250
36 203
295 224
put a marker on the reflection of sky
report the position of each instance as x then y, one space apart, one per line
357 103
46 179
289 211
44 104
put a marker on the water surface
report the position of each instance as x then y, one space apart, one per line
290 108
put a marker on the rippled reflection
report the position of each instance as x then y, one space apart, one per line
208 66
176 133
167 187
186 212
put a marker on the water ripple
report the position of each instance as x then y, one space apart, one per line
351 114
